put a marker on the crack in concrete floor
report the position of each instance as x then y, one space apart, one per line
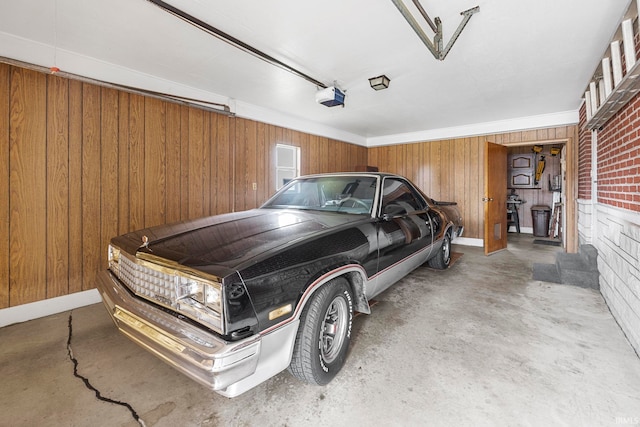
88 384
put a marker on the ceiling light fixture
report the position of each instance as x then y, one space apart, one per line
380 82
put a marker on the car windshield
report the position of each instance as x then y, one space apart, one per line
345 194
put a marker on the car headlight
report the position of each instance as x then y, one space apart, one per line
200 300
200 291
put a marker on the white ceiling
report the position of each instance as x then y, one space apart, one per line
516 64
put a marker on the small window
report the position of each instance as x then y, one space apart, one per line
396 192
287 164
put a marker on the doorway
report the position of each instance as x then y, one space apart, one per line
536 193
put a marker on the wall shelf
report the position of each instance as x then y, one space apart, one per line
616 80
628 87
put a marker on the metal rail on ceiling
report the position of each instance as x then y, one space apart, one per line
233 41
435 46
178 99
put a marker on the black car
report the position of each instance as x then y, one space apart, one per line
231 300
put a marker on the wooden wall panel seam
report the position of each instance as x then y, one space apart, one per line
91 183
5 85
27 194
57 187
76 255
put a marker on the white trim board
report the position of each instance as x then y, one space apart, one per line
47 307
42 54
468 241
562 118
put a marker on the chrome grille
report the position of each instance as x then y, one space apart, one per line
182 291
148 282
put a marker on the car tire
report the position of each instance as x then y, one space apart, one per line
443 258
324 334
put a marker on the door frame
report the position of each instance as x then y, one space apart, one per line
570 185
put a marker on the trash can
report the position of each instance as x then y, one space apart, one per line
540 215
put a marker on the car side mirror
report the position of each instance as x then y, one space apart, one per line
392 211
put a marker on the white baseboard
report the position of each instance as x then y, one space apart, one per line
468 241
47 307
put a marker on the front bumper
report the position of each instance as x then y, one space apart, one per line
197 353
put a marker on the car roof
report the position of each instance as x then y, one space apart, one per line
380 174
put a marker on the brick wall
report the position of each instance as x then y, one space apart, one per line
584 156
619 159
611 221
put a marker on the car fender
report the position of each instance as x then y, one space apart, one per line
357 279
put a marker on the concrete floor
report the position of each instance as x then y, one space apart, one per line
479 344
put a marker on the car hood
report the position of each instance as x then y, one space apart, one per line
229 241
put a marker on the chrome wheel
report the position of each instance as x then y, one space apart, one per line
334 329
446 251
324 334
442 258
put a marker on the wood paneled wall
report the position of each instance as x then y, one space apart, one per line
80 163
449 170
453 170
